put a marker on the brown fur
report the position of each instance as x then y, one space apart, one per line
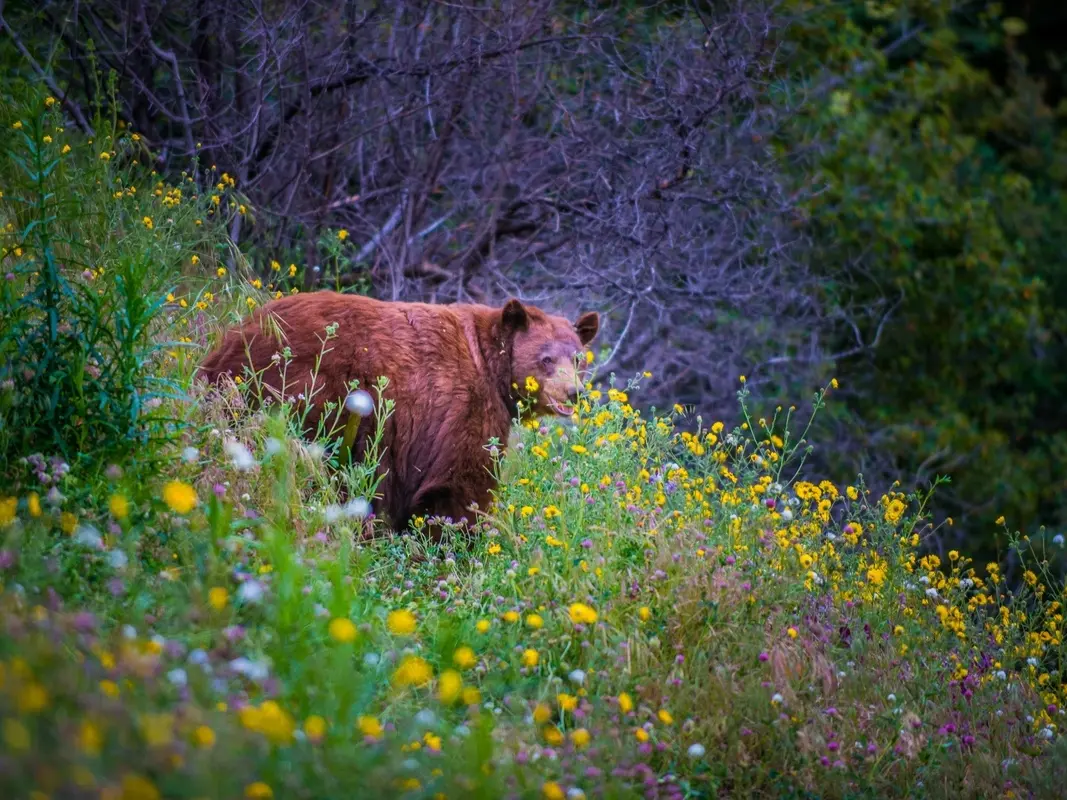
456 373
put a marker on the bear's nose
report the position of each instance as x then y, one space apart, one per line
572 394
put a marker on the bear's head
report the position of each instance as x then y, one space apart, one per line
547 356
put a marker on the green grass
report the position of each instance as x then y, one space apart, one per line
654 607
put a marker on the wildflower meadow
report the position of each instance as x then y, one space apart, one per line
656 605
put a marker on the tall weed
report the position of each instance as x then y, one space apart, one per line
91 244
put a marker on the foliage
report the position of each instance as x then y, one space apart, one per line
939 227
91 243
646 613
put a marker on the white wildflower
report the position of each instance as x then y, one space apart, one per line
190 454
253 670
250 591
360 402
89 536
240 455
118 559
696 751
178 677
357 508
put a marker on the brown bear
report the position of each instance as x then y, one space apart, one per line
456 374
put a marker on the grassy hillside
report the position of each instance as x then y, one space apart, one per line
656 606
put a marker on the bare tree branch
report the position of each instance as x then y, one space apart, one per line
49 81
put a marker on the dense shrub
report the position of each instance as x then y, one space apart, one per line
92 242
939 234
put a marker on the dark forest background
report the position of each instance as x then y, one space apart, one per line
786 190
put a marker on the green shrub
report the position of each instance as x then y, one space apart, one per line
91 244
939 231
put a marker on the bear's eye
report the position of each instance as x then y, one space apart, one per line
547 361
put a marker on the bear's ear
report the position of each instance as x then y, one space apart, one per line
587 326
513 317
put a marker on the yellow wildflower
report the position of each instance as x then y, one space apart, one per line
119 506
258 791
369 726
894 511
31 698
8 506
204 737
401 622
315 728
581 614
342 630
413 671
464 657
16 736
134 787
180 497
90 739
217 597
542 714
449 686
